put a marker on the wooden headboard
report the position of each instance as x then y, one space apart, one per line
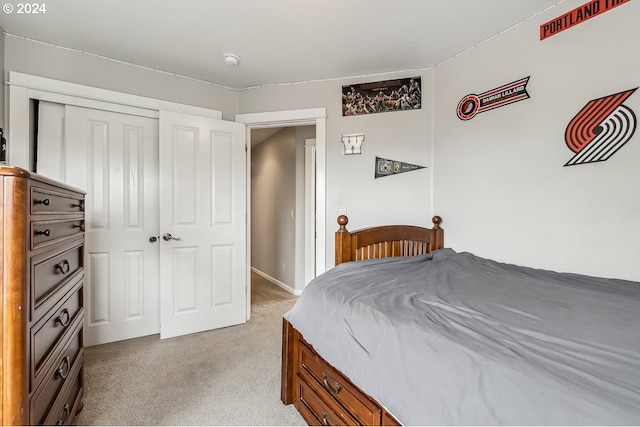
386 241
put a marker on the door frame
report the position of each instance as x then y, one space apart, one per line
311 116
309 209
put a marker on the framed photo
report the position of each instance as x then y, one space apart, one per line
381 97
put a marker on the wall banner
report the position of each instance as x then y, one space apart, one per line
386 167
380 97
600 129
472 104
578 16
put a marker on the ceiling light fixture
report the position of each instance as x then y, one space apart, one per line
231 59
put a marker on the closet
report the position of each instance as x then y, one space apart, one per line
166 216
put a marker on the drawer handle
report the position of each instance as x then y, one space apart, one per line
45 233
80 226
326 378
326 418
45 202
80 204
64 319
63 266
64 415
64 369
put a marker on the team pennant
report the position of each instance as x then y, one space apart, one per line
386 167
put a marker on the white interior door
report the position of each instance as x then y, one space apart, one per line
114 157
203 268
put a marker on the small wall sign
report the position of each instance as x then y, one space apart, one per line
383 96
473 104
386 167
352 143
578 16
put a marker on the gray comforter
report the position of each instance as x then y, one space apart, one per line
452 338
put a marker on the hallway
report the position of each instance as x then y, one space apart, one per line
265 294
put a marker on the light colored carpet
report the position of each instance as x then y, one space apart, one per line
229 376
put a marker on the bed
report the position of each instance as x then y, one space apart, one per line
415 333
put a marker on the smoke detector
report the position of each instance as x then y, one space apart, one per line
231 59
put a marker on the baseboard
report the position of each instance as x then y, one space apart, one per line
277 282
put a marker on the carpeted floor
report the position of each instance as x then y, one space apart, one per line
229 376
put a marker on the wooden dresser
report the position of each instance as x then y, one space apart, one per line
42 255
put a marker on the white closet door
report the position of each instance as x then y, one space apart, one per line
50 147
203 268
114 157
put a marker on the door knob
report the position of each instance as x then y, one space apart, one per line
168 236
154 239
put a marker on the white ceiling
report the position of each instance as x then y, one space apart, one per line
278 41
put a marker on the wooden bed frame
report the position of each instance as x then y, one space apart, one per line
321 393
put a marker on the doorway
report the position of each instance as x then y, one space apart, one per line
282 205
310 116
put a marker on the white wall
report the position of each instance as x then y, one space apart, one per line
500 184
402 135
42 60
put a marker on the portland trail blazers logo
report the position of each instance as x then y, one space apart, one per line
600 129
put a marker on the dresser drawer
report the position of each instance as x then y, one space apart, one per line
50 273
47 232
325 410
367 412
62 371
46 201
68 401
46 335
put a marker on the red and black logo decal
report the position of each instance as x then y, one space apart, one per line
577 16
600 129
472 104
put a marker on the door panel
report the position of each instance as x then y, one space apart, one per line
114 157
202 175
203 204
50 146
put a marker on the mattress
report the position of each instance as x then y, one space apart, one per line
451 338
